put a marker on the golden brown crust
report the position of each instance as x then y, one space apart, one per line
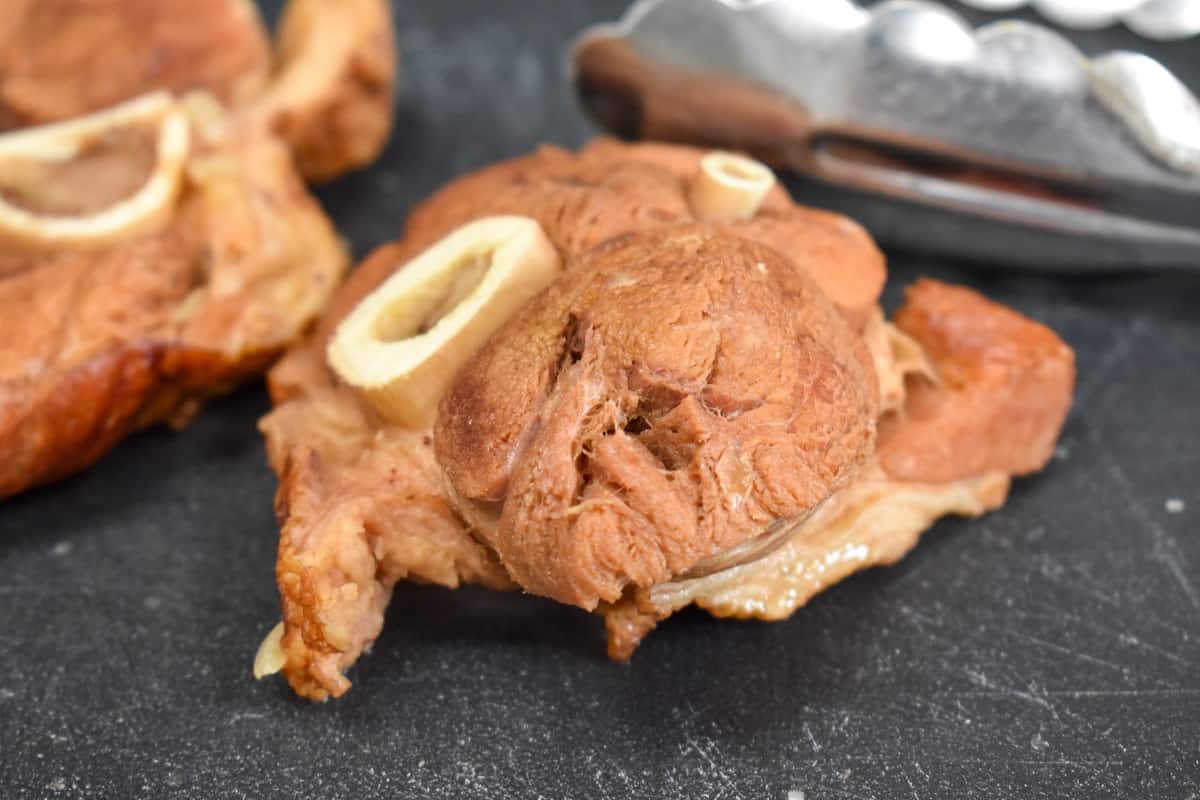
610 188
580 199
834 250
627 622
72 418
120 337
61 58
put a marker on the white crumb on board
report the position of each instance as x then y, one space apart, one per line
1174 505
795 794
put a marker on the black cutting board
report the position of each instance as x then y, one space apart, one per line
1051 649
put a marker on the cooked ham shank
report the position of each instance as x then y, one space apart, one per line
326 89
61 59
172 255
695 411
156 242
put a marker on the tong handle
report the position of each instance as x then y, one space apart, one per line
638 99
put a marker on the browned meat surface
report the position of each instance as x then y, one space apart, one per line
117 331
683 416
64 58
102 339
609 188
332 92
327 90
675 395
988 403
360 509
1005 384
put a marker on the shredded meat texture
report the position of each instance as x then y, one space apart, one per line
688 414
983 394
326 89
104 340
675 395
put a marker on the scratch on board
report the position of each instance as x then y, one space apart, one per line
808 731
695 743
1076 578
1122 636
1166 550
1078 693
1112 359
1058 648
1065 762
995 689
911 787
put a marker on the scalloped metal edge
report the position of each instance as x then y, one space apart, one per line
1153 19
1160 112
1163 113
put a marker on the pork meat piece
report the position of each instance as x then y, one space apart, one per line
116 317
326 88
680 392
61 59
694 411
984 402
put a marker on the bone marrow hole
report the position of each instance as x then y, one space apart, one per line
402 344
443 295
94 179
729 187
107 169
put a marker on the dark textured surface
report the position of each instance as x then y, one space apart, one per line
1051 649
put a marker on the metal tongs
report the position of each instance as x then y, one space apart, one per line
1043 156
